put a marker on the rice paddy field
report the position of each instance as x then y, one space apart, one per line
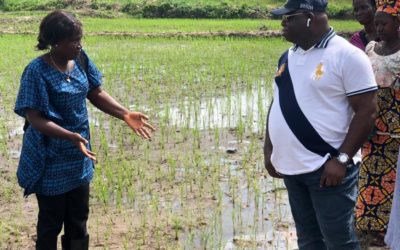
200 182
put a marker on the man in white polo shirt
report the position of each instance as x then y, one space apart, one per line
323 110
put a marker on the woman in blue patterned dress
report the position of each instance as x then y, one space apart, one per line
56 160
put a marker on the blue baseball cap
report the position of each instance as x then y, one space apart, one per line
307 5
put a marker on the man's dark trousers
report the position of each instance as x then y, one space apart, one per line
324 216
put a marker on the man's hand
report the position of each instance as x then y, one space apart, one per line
333 174
268 165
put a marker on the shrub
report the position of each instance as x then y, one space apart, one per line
340 11
167 8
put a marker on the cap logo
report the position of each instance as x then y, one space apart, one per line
306 6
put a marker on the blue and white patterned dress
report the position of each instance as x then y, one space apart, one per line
52 166
392 238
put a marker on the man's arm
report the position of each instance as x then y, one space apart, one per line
268 151
364 106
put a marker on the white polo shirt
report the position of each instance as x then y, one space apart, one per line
323 78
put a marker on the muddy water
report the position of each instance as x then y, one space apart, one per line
248 107
266 221
250 220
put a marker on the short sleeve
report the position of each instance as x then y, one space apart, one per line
370 47
356 41
93 74
32 93
358 76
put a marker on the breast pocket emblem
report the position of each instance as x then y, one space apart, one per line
319 71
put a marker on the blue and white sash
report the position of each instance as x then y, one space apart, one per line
294 116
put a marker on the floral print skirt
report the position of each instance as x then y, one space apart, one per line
376 183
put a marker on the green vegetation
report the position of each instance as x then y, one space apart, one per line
182 190
21 22
174 191
169 8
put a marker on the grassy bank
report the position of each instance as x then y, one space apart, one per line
169 8
20 22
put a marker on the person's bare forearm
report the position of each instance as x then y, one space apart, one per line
103 101
47 127
268 150
361 124
267 142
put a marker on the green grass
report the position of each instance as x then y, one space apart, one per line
29 22
190 25
167 66
122 2
167 8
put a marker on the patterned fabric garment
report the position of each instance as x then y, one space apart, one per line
52 166
391 7
393 234
380 153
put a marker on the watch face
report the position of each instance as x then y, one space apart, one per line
343 158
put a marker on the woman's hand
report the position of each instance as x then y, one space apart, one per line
138 122
81 143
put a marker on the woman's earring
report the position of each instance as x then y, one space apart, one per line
308 22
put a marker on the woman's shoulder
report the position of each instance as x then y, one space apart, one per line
36 68
355 35
37 63
357 40
370 47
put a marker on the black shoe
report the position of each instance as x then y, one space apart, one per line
65 243
81 244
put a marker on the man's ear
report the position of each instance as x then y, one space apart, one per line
310 15
310 18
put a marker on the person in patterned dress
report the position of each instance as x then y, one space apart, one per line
56 160
380 152
393 233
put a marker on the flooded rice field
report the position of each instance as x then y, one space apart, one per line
200 182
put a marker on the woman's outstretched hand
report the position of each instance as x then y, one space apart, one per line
81 143
138 122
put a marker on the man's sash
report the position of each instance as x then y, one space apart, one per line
294 116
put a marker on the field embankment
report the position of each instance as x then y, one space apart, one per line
231 9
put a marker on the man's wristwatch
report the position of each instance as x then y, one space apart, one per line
344 159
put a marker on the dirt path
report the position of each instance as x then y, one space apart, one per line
240 34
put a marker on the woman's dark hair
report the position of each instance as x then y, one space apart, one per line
57 26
